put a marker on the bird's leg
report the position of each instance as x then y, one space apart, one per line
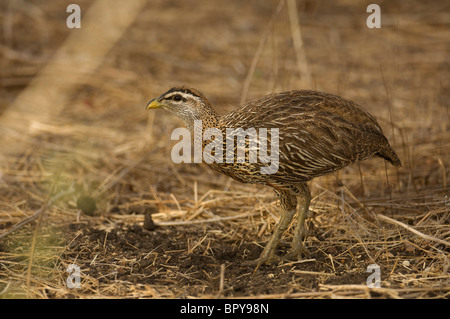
288 203
304 198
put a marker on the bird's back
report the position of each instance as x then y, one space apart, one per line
318 132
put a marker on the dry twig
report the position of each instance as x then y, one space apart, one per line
418 233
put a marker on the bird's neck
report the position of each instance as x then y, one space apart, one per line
203 121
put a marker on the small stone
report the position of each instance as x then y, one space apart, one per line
148 222
87 204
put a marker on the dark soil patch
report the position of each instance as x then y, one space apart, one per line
169 256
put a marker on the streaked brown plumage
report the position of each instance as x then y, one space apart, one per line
318 133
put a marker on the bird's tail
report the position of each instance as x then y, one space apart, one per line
390 155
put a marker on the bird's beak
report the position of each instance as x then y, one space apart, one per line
154 104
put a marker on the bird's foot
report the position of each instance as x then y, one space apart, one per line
261 261
296 253
267 257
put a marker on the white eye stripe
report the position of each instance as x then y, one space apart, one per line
185 96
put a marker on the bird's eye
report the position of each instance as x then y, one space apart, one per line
177 97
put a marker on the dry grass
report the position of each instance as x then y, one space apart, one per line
104 144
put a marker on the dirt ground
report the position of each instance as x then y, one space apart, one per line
107 198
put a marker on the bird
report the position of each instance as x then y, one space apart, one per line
317 133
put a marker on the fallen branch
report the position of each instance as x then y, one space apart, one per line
418 233
203 221
48 202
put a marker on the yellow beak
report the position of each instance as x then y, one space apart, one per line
153 104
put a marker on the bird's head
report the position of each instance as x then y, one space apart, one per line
188 104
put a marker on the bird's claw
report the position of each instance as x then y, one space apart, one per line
296 253
261 261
